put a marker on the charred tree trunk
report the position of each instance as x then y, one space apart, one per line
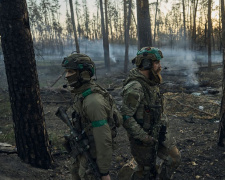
74 27
223 22
144 24
222 108
27 110
127 29
209 34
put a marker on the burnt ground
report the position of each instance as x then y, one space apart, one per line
193 113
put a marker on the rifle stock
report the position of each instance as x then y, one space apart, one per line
61 113
78 143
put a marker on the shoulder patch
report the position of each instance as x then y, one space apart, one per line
132 94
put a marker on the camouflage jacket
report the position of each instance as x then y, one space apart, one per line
93 107
141 108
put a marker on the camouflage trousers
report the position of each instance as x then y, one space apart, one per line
171 156
145 158
146 162
80 170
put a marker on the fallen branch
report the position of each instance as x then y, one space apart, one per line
8 151
57 102
191 107
212 103
7 148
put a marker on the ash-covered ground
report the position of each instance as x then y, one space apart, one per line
192 107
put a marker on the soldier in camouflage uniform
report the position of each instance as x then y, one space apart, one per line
142 112
94 112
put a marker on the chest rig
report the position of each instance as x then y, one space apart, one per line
152 109
148 113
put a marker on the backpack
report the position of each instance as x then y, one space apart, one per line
115 118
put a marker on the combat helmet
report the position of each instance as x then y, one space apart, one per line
83 65
145 57
81 62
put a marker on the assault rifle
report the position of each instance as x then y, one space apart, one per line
78 143
157 109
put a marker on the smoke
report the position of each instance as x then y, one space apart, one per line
94 49
181 64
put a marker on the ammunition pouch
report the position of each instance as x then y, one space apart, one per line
147 118
152 116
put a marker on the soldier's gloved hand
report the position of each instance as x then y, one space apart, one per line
149 140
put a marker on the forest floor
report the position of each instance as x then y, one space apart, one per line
192 110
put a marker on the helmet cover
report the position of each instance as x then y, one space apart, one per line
80 62
146 55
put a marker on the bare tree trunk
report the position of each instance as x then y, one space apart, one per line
184 22
107 36
78 23
209 34
97 19
194 25
111 32
222 108
213 40
133 18
104 36
205 40
144 24
156 11
220 36
223 23
127 37
74 27
27 110
125 19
